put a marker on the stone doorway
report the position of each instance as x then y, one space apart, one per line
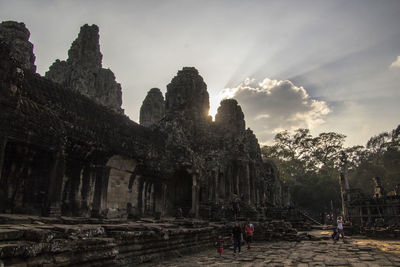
179 193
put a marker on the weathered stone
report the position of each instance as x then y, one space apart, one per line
94 169
187 96
153 108
83 71
230 118
16 36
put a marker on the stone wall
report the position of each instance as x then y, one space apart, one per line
57 242
56 144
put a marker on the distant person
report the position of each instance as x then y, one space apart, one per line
340 228
237 236
235 208
249 230
328 218
220 245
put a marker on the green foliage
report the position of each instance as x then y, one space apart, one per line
310 166
380 158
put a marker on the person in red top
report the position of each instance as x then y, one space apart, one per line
249 230
220 245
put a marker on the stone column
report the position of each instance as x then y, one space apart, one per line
216 191
3 144
228 177
195 197
153 198
144 195
100 193
56 182
237 179
3 189
247 181
254 186
221 186
140 195
164 208
158 198
20 174
211 187
150 198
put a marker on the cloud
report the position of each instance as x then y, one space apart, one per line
396 63
271 106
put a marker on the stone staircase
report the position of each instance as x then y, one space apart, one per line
247 212
214 212
308 217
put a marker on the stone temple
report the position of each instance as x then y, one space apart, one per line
67 149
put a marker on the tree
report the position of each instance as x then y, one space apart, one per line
381 157
308 165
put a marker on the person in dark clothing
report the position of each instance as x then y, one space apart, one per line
237 236
335 235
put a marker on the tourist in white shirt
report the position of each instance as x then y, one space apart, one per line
340 227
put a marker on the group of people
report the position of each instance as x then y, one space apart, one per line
238 234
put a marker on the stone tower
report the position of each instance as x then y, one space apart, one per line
153 108
83 71
230 117
187 96
16 36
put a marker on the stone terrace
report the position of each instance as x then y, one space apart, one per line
66 241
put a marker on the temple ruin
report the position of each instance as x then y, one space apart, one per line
68 151
377 215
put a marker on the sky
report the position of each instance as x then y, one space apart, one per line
323 65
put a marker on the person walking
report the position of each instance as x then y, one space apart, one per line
220 245
237 236
340 228
249 230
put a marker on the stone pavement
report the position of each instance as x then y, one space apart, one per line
354 252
